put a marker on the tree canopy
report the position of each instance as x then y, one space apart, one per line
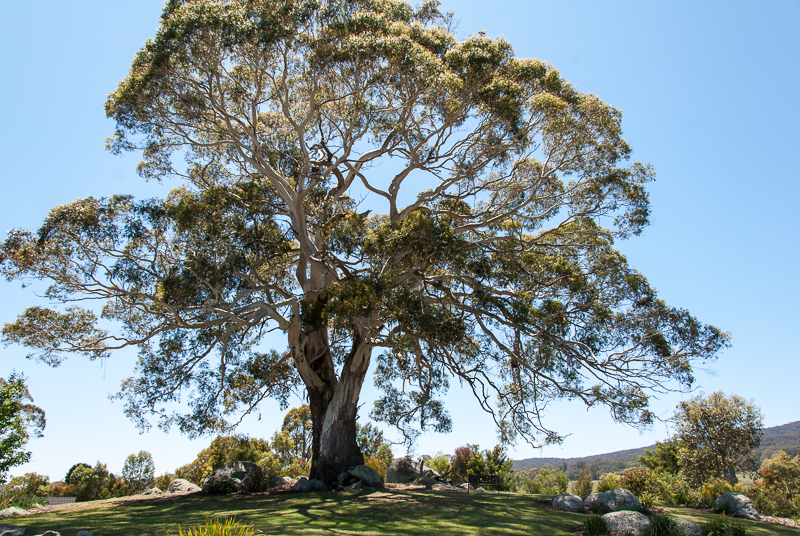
17 419
716 435
355 176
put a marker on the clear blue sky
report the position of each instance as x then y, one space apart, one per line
709 97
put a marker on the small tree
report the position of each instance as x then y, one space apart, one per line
583 486
91 483
717 435
372 443
138 471
17 418
664 459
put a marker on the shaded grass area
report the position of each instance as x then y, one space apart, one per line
362 513
754 528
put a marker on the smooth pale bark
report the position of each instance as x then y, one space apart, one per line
333 401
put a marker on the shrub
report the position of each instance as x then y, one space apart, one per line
722 526
674 489
608 481
224 487
777 492
648 500
708 492
255 481
642 481
583 486
215 527
664 526
595 525
162 481
297 468
377 464
439 463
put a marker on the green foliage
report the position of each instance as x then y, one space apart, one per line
298 427
162 481
297 468
544 481
16 419
595 525
372 443
462 280
705 495
71 471
25 491
92 483
716 435
440 463
722 526
223 450
777 492
608 481
216 527
643 483
583 486
664 459
378 464
138 471
256 481
664 526
224 487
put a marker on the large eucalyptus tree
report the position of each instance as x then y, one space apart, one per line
385 195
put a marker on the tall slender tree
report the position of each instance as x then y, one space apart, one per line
356 177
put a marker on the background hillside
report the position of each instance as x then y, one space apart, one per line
785 437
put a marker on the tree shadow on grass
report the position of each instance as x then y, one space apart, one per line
362 513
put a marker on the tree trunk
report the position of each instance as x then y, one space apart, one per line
333 401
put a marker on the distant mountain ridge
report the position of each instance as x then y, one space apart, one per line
784 437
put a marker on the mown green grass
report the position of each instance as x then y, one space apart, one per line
363 513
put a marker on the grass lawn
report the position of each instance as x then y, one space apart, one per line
364 513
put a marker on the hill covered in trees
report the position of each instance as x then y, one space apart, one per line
785 437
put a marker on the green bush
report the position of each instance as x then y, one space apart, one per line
583 486
224 487
708 492
664 526
255 481
675 489
546 482
608 481
777 492
722 526
642 481
439 463
595 525
215 527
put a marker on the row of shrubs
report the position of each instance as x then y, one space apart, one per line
776 492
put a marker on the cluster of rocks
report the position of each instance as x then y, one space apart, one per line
620 507
15 530
409 471
600 502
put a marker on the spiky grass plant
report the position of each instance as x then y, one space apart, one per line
217 527
595 525
723 525
664 526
